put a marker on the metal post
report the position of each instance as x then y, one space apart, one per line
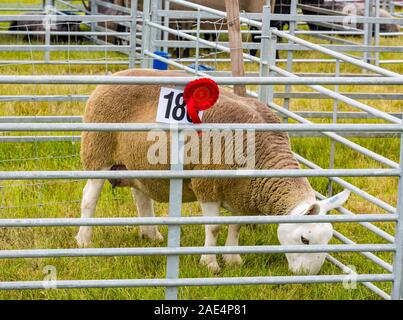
197 43
268 56
145 63
292 27
377 30
175 209
392 7
155 34
47 24
272 61
166 24
133 34
367 30
333 143
94 11
397 291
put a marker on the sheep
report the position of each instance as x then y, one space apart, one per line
353 9
39 26
256 196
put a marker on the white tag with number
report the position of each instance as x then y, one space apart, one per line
172 107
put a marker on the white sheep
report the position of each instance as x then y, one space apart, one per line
261 196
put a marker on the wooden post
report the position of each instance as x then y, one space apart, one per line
273 5
235 40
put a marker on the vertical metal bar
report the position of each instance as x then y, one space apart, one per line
146 34
272 61
155 34
166 24
265 53
367 30
197 43
391 7
377 30
292 27
175 208
133 34
334 119
94 11
47 23
397 291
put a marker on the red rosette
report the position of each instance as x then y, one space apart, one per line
199 95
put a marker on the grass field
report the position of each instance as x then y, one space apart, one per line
46 199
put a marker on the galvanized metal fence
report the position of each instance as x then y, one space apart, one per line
269 75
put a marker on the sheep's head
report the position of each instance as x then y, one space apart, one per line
309 233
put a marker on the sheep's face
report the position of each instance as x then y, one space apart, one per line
305 234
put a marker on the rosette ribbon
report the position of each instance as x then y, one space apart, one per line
200 95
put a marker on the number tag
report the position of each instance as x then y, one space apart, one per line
172 107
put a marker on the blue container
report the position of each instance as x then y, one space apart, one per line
159 65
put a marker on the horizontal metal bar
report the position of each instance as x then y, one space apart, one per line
170 251
205 126
63 62
188 174
65 222
69 48
41 119
185 282
43 98
28 139
78 119
67 33
76 138
64 18
51 79
357 96
333 19
283 46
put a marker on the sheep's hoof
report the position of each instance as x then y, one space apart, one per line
211 263
83 238
233 260
152 235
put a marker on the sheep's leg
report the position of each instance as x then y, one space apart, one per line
232 240
211 209
91 193
145 209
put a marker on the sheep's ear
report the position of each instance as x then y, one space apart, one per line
334 202
314 209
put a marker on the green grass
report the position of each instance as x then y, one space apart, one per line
52 199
